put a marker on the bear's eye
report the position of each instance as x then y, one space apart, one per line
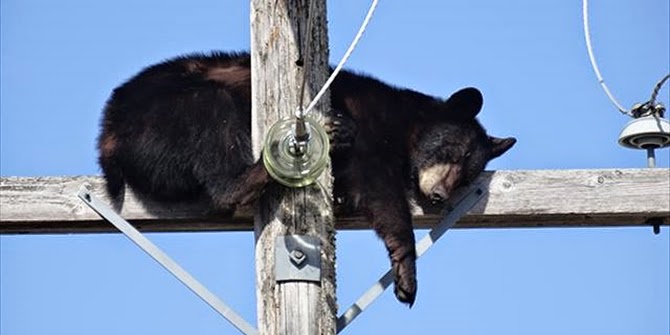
468 154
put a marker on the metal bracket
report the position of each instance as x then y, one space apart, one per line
448 221
297 258
165 261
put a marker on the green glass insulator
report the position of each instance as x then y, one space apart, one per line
295 161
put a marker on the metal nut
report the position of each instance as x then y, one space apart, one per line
298 256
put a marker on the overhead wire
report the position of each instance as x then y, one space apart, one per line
344 59
305 49
589 47
657 88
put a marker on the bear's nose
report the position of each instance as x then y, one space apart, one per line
438 193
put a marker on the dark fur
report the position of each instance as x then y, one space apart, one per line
180 130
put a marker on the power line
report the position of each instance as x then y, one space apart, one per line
589 47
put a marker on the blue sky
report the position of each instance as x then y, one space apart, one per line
60 60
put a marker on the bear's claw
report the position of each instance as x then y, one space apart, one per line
341 130
405 280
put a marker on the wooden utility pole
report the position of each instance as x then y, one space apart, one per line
279 39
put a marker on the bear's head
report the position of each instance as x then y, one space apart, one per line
450 148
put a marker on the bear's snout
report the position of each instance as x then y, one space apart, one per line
437 181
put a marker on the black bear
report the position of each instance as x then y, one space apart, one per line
180 130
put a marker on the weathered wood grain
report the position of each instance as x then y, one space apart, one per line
279 30
534 198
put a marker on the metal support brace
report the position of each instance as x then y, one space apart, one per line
166 262
298 258
461 208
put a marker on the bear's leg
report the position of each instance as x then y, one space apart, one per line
391 218
241 190
114 181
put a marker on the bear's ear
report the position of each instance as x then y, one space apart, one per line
500 145
464 104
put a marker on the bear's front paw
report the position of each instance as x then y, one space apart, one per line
341 131
404 272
